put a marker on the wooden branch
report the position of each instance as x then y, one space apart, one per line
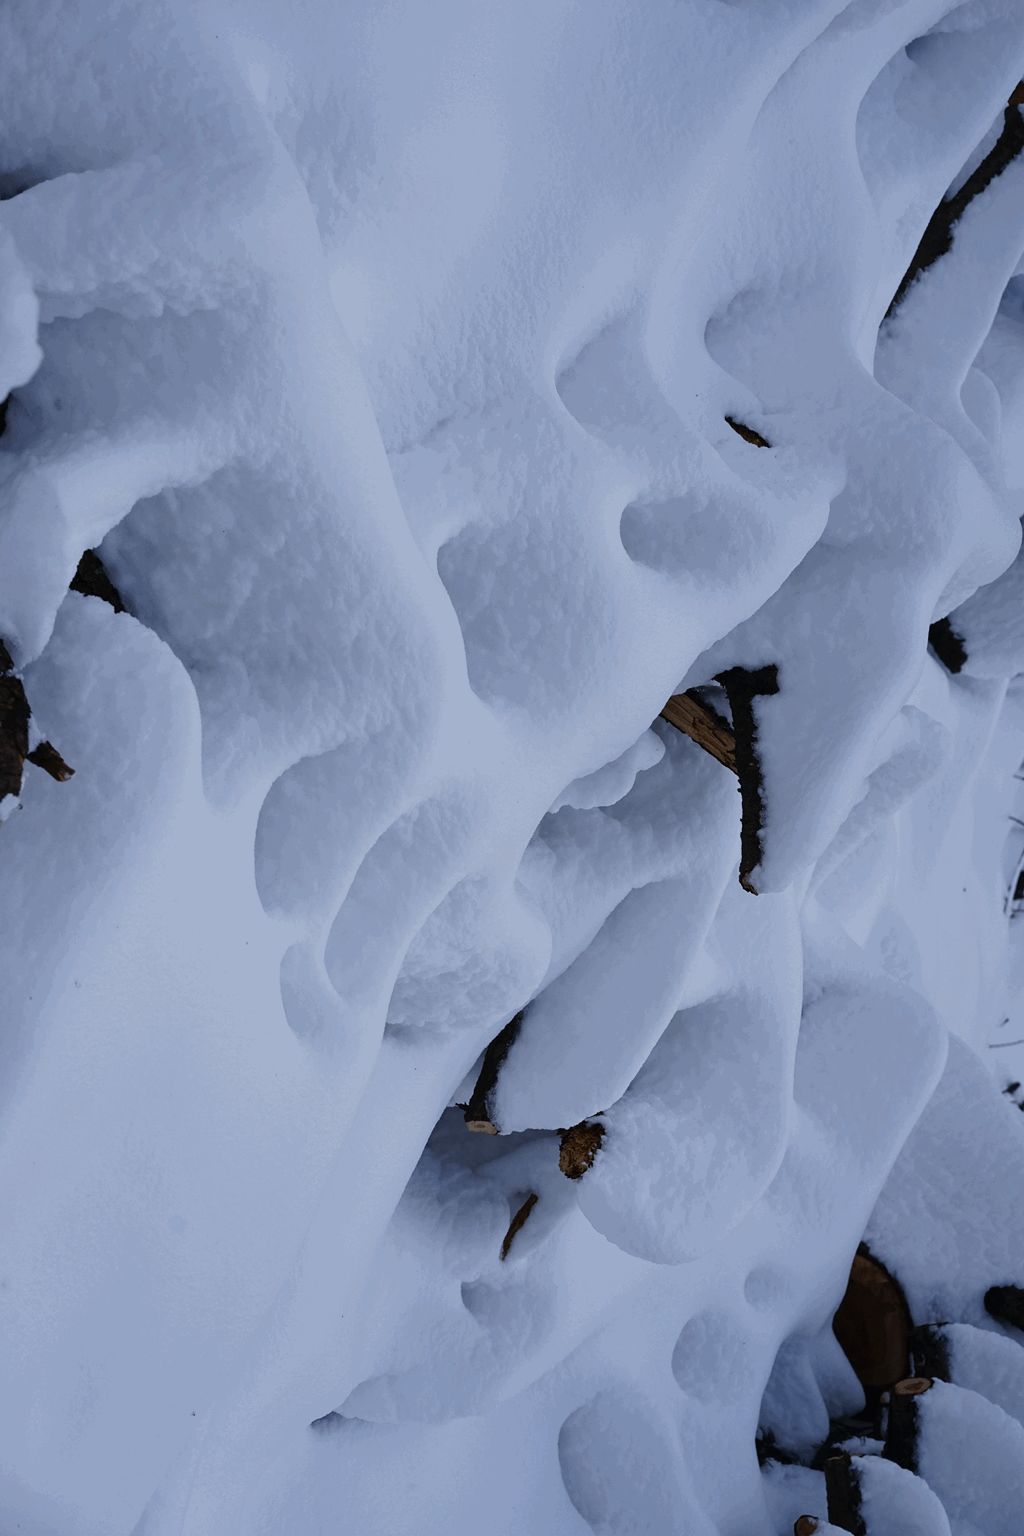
842 1489
742 687
901 1435
579 1146
517 1223
948 646
689 714
92 580
938 236
1006 1304
478 1113
806 1525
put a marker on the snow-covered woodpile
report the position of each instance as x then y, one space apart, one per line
511 622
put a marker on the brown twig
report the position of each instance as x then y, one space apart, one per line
517 1223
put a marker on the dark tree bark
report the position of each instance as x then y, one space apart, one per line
843 1491
939 233
1006 1304
901 1439
478 1114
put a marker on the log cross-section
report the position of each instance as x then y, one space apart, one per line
578 1148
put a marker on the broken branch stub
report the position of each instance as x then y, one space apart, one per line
478 1112
46 757
579 1146
806 1525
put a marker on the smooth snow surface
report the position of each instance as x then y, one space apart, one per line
385 352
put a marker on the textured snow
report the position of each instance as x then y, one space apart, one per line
386 353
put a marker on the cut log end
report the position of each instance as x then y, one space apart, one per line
482 1127
913 1386
579 1147
517 1223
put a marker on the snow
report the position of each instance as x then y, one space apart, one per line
386 355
